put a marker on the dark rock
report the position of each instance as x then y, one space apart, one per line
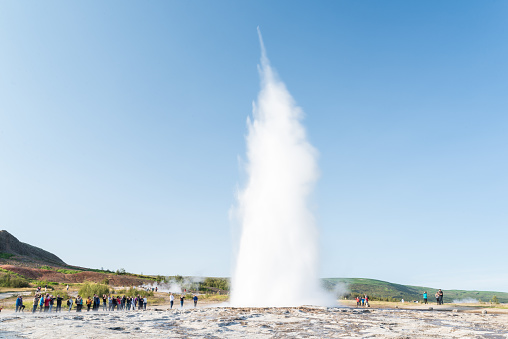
11 245
116 328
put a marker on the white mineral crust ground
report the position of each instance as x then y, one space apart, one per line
281 322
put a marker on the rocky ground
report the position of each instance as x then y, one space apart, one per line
220 322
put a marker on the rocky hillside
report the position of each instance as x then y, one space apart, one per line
13 249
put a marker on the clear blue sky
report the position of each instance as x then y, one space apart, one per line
121 125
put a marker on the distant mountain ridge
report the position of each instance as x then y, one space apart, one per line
10 245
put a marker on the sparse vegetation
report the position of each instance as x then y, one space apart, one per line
6 255
100 271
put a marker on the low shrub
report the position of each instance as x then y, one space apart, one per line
11 280
134 292
89 289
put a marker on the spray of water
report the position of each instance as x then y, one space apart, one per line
277 262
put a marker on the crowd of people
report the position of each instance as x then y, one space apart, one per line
49 303
363 301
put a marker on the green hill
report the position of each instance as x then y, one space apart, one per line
383 290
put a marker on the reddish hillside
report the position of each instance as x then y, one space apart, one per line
41 274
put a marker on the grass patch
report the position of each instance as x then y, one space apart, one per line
212 297
43 283
59 270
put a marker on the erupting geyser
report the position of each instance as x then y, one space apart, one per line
277 262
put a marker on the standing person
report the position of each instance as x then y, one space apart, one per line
67 287
46 303
171 300
88 304
128 305
437 297
114 302
367 300
425 297
41 303
58 303
79 303
69 303
195 300
145 302
94 302
140 303
19 302
182 297
110 302
441 297
21 307
51 303
36 302
104 301
357 301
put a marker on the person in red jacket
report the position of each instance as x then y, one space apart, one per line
47 300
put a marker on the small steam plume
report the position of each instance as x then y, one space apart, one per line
340 290
465 301
176 285
277 262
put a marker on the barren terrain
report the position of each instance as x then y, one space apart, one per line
292 322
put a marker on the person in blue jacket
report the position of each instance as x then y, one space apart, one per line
19 304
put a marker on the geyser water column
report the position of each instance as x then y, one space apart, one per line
278 261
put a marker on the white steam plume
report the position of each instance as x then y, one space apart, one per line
277 262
